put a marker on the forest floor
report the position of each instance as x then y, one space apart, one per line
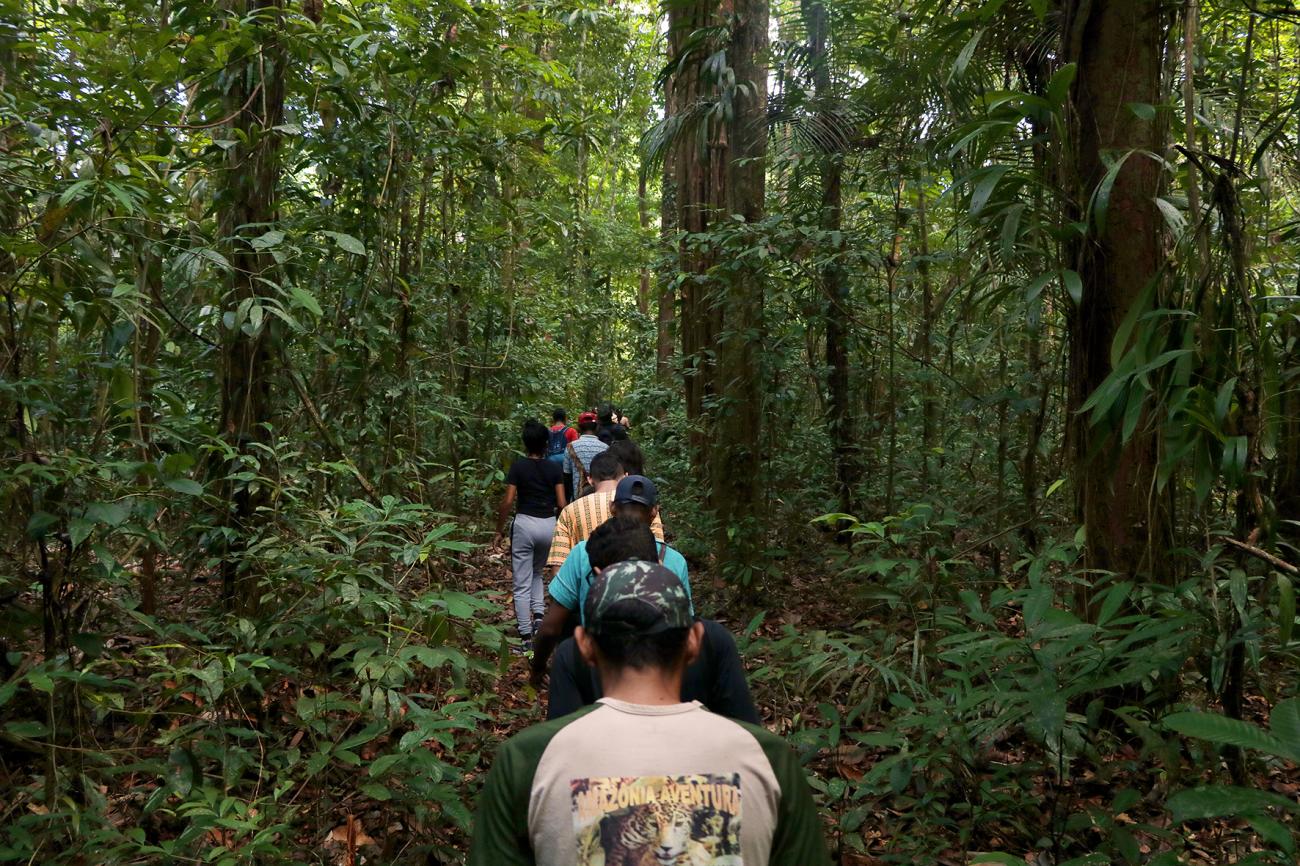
918 819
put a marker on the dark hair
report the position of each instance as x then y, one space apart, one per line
604 467
620 539
629 454
659 651
634 510
605 412
559 416
535 437
586 426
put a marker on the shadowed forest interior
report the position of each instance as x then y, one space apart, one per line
962 341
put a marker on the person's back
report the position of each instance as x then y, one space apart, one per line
642 779
561 435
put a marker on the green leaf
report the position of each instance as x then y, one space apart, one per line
187 486
1284 722
994 858
1101 199
348 243
1058 89
1073 284
1219 801
984 189
40 523
1273 832
1143 110
306 300
29 729
1285 609
1227 732
79 529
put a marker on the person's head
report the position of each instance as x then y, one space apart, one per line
606 413
605 467
629 454
636 496
587 422
638 616
620 539
535 437
559 416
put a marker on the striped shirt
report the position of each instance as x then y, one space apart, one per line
586 446
579 519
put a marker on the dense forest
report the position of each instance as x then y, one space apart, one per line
961 338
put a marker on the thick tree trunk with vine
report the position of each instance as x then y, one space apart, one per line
739 500
700 182
1119 48
247 203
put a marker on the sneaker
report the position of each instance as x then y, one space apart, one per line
524 647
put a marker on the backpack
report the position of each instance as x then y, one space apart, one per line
555 447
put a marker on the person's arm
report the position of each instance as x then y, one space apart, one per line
798 835
728 691
501 819
503 511
565 692
560 497
548 634
657 527
561 542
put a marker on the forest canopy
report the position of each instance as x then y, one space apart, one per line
962 340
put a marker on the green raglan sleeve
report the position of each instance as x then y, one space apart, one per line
501 821
798 839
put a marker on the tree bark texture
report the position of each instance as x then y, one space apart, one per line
1119 48
736 459
255 99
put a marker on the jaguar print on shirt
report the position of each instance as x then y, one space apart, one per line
658 820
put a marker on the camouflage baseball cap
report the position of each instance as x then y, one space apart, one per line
637 598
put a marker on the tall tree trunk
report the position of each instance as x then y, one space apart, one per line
1119 48
255 102
700 179
736 458
834 287
643 273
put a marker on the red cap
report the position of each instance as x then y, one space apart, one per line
587 418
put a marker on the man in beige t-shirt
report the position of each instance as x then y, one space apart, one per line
640 778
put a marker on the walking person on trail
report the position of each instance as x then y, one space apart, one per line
580 517
716 678
609 430
635 496
561 435
629 454
579 453
538 486
642 777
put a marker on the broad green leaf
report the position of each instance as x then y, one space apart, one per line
1073 284
1220 729
347 242
1219 801
1285 609
306 300
185 485
1058 89
984 188
1284 722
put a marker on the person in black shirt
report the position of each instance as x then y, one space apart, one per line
716 678
538 485
609 430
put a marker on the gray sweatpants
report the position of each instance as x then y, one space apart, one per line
530 542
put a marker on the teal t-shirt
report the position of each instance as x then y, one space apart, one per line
569 587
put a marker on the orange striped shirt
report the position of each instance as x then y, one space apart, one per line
579 519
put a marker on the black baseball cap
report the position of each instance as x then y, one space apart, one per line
638 489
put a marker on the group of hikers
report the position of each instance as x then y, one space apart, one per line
653 751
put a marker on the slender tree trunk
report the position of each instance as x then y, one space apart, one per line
248 203
667 301
1119 48
834 286
643 273
929 404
